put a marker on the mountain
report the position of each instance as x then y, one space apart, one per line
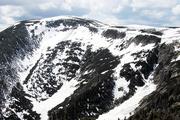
70 68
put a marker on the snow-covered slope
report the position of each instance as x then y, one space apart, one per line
69 68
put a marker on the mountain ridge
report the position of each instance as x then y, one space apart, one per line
91 68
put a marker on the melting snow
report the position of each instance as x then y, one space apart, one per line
82 34
48 41
120 83
171 35
127 58
44 106
130 105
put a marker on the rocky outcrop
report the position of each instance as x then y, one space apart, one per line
19 106
102 66
95 97
15 43
113 34
162 104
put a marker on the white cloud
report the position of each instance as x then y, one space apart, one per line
176 10
55 4
8 13
109 11
105 6
109 19
103 10
155 14
11 11
47 6
156 10
152 4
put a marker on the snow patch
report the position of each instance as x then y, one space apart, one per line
44 106
52 36
126 108
171 35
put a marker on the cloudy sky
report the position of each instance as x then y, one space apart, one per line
146 12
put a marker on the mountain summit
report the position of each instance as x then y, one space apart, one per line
69 68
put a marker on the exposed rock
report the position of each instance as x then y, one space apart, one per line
93 98
162 104
146 39
113 34
19 105
109 65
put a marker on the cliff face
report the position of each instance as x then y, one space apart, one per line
79 69
163 104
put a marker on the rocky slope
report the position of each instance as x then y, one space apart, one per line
69 68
